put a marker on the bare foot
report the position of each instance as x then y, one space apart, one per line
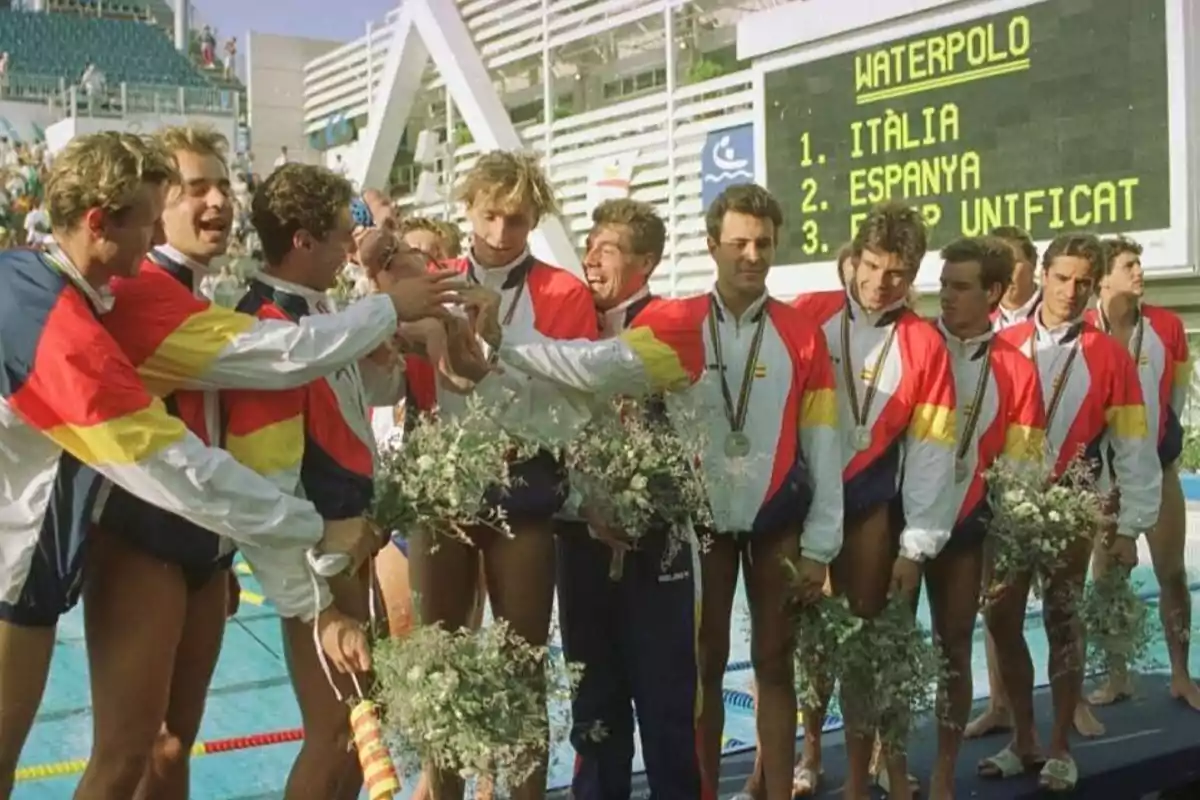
1114 690
1086 724
806 778
992 720
1187 691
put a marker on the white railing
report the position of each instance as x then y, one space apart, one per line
578 142
505 31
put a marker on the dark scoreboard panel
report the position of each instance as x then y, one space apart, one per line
1052 117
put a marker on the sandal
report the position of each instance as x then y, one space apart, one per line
1059 775
805 782
1007 764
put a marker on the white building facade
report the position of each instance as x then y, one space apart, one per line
639 95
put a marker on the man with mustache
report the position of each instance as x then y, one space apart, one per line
897 402
1093 400
1000 414
1156 339
762 385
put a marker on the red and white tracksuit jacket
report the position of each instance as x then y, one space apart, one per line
1010 420
1099 408
1159 347
791 417
911 420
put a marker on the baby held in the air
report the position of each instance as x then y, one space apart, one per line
450 344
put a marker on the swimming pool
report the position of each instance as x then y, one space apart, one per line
251 697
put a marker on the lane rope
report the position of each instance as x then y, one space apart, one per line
59 769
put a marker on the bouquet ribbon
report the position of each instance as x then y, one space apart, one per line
379 771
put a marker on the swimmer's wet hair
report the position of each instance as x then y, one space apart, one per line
647 231
896 228
510 181
104 170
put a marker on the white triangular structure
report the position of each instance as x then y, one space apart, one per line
434 29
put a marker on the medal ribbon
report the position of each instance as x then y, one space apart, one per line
862 415
520 291
1061 383
977 404
736 414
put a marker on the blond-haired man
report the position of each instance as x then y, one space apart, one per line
73 410
506 195
150 679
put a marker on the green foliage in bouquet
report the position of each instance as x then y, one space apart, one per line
345 289
1037 520
822 630
437 477
474 702
889 666
1117 622
637 472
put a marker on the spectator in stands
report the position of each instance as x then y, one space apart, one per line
208 47
37 227
283 157
92 82
230 57
3 73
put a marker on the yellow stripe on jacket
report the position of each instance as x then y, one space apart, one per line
123 440
933 423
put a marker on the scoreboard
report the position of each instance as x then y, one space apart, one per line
1052 116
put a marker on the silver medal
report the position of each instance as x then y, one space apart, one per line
737 445
862 438
961 471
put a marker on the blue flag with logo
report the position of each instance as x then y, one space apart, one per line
727 160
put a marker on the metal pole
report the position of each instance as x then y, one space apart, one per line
370 68
547 89
672 184
448 161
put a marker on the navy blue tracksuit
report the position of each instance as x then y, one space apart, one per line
636 640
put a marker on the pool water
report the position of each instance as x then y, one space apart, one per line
251 696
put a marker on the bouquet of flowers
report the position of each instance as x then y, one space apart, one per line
637 473
471 701
1038 519
1117 622
822 630
436 479
893 668
889 664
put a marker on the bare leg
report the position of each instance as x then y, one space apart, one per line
135 607
772 648
327 767
1063 632
719 571
1005 618
25 654
520 577
862 572
1175 601
196 657
954 580
996 718
443 573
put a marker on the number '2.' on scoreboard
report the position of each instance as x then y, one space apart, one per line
1051 116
